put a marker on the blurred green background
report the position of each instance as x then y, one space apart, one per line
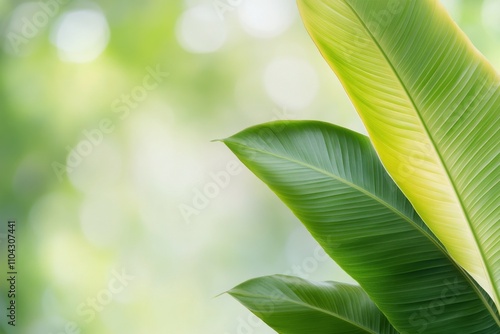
129 220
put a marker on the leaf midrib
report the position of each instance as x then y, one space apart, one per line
386 204
303 304
438 154
352 185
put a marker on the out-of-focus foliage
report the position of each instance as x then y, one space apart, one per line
141 202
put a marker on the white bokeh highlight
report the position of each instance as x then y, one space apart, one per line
81 35
491 15
200 30
453 8
266 19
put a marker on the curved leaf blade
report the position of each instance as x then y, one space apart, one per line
292 305
332 180
431 105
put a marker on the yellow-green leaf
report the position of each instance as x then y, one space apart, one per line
431 105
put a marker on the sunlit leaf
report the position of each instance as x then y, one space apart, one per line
431 105
333 181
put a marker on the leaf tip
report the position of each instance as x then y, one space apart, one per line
220 294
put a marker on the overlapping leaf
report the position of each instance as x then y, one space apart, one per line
332 180
292 305
431 104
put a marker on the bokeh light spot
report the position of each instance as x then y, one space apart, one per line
200 30
454 8
81 35
490 15
265 19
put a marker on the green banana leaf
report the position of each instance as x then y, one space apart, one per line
431 105
292 305
333 181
